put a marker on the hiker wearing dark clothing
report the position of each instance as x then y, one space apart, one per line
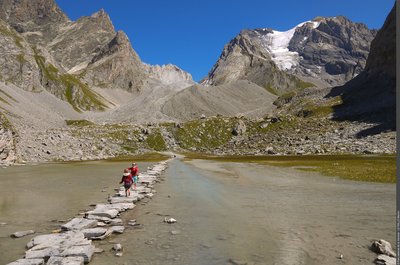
127 180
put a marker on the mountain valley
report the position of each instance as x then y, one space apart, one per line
77 90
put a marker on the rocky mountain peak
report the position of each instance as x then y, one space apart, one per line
103 20
39 11
323 51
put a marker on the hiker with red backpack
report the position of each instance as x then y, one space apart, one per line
127 180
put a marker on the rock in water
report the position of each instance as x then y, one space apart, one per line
383 247
169 220
22 233
94 232
65 261
117 247
78 224
27 262
385 260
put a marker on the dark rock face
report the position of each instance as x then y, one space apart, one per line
335 51
324 51
371 96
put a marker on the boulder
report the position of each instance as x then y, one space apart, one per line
383 247
239 128
117 247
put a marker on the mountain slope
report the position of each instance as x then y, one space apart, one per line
230 99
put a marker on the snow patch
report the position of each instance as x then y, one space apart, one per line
277 44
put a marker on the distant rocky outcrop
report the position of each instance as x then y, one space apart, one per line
323 52
170 75
371 96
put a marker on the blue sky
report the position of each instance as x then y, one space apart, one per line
192 34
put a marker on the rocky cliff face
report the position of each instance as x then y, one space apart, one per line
324 51
116 65
333 50
77 42
38 20
371 96
17 60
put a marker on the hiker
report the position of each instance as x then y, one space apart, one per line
134 172
127 180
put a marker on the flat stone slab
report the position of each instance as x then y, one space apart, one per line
43 253
121 199
50 239
79 224
27 262
22 233
104 212
120 207
86 252
385 259
62 239
93 232
98 218
65 261
118 229
116 221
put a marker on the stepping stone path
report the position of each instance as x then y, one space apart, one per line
73 245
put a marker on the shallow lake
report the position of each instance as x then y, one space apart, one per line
227 212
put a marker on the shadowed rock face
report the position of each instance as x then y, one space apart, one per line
324 51
371 96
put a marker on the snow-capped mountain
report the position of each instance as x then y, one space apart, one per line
323 51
